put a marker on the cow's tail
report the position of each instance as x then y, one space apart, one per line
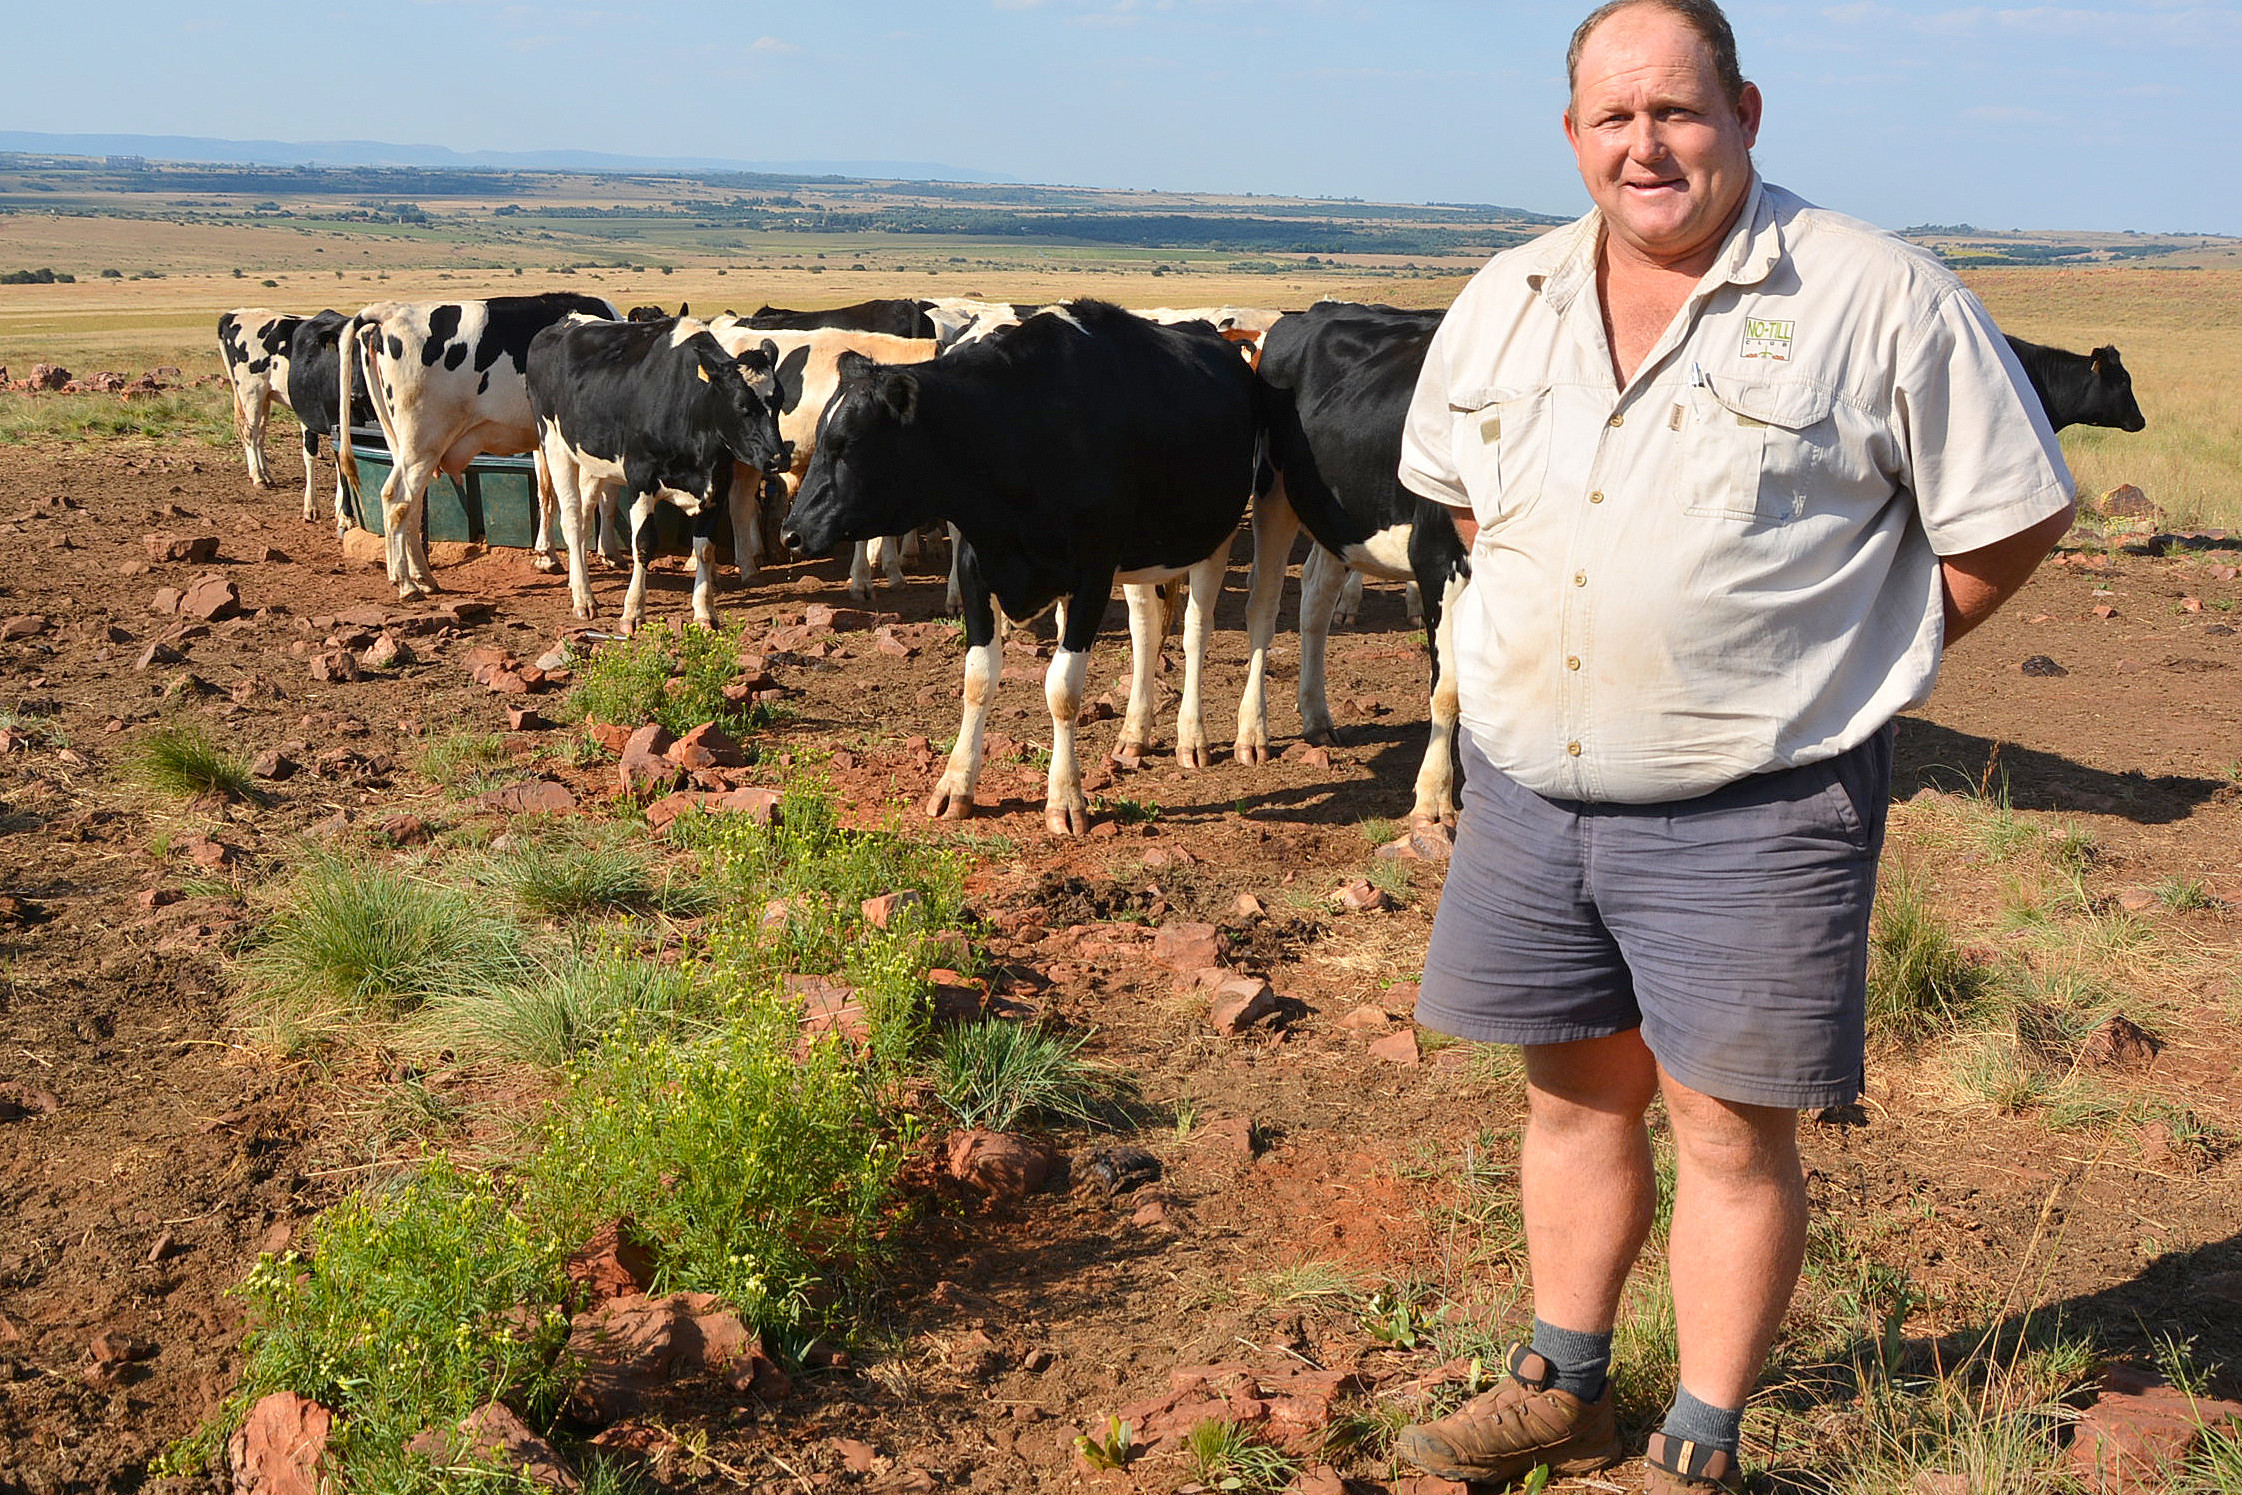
346 458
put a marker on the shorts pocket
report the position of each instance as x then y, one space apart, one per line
1749 447
1499 438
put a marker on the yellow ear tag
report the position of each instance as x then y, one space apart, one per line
702 370
1490 430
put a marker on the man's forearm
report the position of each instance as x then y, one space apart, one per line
1979 581
1467 527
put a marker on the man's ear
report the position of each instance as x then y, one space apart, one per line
899 391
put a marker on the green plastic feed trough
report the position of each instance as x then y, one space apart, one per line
494 501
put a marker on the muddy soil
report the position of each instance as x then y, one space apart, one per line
147 1153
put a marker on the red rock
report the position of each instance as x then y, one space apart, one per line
507 683
1187 947
2128 502
281 1448
2104 611
839 619
1226 1134
387 653
632 1349
880 912
609 736
158 653
706 746
614 1263
1250 907
165 600
757 804
1366 1020
335 666
405 830
1239 1003
664 812
1003 1167
1363 898
2132 1443
205 853
525 719
536 797
1308 755
22 626
1321 1480
1401 1049
210 598
644 768
2121 1043
856 1457
195 550
159 897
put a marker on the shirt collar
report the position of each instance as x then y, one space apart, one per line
1566 258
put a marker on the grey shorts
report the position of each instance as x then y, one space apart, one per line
1731 929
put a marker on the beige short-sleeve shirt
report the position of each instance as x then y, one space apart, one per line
1731 566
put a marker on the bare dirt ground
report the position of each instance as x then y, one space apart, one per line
147 1153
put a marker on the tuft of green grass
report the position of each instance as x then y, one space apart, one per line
1225 1455
1303 1282
997 1074
183 761
462 762
352 940
2184 895
559 878
1919 980
672 674
203 415
563 1011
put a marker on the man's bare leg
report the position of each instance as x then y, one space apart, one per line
1739 1236
1585 1175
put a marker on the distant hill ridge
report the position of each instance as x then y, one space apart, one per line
199 148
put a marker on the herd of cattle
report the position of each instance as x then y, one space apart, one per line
1065 447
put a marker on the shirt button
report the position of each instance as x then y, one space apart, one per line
1573 663
1597 497
1573 748
1580 578
1619 420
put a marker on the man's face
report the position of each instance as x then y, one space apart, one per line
1664 153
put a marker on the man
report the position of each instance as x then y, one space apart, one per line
1733 470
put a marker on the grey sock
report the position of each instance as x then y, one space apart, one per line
1581 1361
1702 1422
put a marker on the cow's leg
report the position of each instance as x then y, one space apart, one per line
1065 811
258 412
568 505
1436 776
716 498
1413 597
1198 624
1320 582
747 521
402 498
1349 606
342 503
311 476
952 798
1275 526
1148 620
639 515
611 529
860 571
950 601
890 557
541 555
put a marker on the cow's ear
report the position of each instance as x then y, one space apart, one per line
899 392
770 351
701 371
791 378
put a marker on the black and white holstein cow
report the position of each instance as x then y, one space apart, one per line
661 411
254 343
1069 451
313 385
449 381
1336 383
896 317
2080 389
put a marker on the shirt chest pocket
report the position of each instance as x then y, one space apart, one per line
1751 448
1500 439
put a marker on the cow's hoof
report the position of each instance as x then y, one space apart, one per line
1255 754
545 562
1067 819
947 804
1325 736
706 620
1193 755
1129 755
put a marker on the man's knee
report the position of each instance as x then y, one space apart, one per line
1597 1083
1726 1138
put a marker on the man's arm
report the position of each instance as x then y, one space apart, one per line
1979 581
1467 527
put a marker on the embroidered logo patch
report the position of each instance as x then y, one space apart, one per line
1769 340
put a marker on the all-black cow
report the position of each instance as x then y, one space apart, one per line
314 386
1336 384
899 317
657 410
449 383
254 343
1069 451
2080 389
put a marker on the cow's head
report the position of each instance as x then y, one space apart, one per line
858 485
748 400
2113 401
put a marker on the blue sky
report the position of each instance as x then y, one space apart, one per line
2031 116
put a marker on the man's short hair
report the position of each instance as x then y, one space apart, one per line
1704 17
